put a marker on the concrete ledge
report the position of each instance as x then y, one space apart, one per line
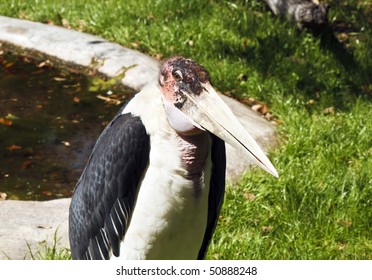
28 222
80 49
26 225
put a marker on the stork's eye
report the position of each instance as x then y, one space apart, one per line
177 74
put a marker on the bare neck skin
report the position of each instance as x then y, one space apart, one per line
194 151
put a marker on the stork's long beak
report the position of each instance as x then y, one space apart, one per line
209 111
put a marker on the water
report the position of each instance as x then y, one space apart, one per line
49 122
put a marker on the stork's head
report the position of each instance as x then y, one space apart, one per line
193 106
179 76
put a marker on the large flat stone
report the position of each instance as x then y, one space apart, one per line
28 222
80 49
261 130
26 226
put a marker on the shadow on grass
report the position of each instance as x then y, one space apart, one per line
329 42
277 56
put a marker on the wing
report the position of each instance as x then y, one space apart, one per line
105 195
216 191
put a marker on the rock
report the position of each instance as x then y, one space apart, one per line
306 13
26 225
261 130
80 49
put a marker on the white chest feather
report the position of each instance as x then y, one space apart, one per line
170 215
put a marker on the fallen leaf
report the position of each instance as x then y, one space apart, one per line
216 256
11 116
343 37
264 110
81 24
247 101
76 99
59 79
342 246
310 102
49 21
23 15
27 59
26 164
66 23
109 100
344 223
249 196
243 77
266 229
45 63
329 110
3 195
269 116
40 71
260 108
159 56
13 147
67 144
135 44
47 193
6 122
9 64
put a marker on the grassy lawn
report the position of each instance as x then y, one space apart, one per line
320 91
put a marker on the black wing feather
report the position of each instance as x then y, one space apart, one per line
105 194
216 191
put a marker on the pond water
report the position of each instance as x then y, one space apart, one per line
49 122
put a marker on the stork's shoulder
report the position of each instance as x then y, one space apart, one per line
148 106
149 98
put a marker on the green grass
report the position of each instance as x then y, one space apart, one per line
45 251
320 208
319 89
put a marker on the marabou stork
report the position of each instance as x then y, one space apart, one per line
154 184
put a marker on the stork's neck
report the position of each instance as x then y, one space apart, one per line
194 151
